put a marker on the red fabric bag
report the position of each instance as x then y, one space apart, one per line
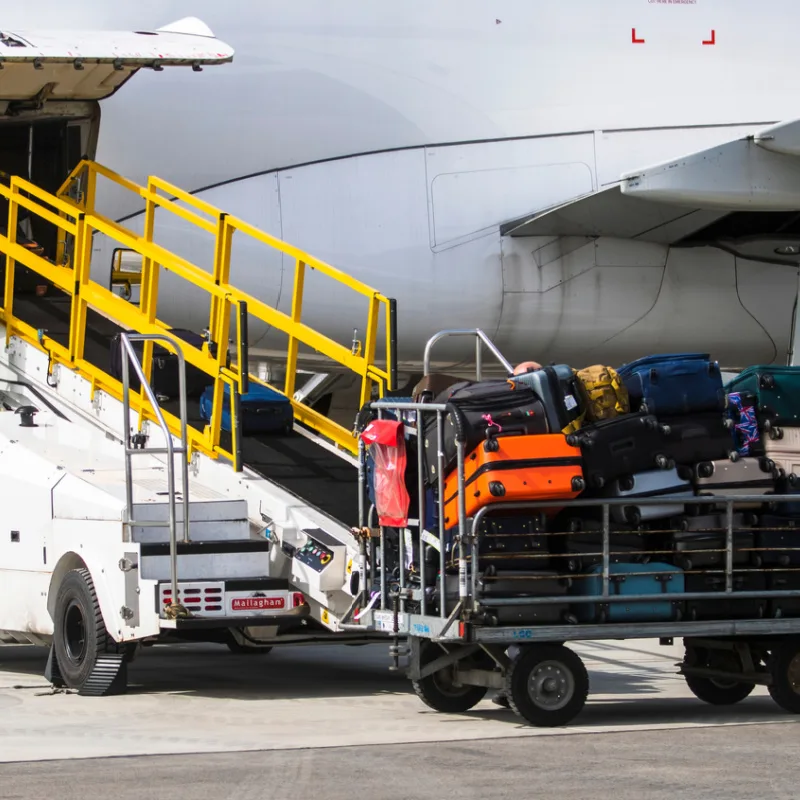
387 446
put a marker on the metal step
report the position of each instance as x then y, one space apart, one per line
243 558
209 521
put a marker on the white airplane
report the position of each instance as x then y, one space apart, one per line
487 164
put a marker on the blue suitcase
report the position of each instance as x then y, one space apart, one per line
630 579
674 383
262 410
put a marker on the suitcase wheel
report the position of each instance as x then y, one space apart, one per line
685 563
578 484
766 381
705 470
774 433
734 456
497 489
666 430
573 440
633 516
662 462
766 464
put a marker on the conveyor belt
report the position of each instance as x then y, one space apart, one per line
297 464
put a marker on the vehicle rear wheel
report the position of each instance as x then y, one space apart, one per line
80 635
547 685
439 692
784 665
718 692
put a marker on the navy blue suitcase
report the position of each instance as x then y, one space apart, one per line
262 410
631 579
674 383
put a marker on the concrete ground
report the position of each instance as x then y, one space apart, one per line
334 721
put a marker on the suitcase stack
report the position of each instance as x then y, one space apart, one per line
769 396
659 433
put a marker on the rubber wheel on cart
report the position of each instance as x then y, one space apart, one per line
547 685
79 635
437 690
718 692
784 664
244 649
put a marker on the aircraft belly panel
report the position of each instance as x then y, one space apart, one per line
703 299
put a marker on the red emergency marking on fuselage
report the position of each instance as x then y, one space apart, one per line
634 39
713 39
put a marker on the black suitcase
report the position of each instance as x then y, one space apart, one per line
513 542
784 582
583 554
726 608
164 376
699 437
621 446
510 583
705 543
582 546
777 541
506 408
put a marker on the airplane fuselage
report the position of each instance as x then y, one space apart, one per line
393 141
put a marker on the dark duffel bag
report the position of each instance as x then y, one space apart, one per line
165 374
501 406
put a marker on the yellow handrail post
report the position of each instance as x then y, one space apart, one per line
148 293
223 241
370 345
78 308
297 312
219 323
91 188
8 299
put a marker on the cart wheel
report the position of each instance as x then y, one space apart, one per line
547 685
784 664
718 692
438 691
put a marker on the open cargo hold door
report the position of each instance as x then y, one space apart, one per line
43 66
52 80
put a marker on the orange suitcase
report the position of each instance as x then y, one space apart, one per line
512 469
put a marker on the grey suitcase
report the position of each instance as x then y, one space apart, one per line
784 449
748 476
667 483
559 390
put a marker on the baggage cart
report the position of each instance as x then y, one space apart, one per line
739 619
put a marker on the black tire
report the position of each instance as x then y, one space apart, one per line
784 665
80 634
718 692
437 690
243 649
547 685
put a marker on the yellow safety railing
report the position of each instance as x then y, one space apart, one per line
77 220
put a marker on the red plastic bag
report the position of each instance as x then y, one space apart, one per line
388 450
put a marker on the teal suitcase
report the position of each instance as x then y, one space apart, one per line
777 389
631 579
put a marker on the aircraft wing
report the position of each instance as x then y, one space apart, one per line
744 189
91 65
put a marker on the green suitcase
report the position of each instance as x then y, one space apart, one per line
777 389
